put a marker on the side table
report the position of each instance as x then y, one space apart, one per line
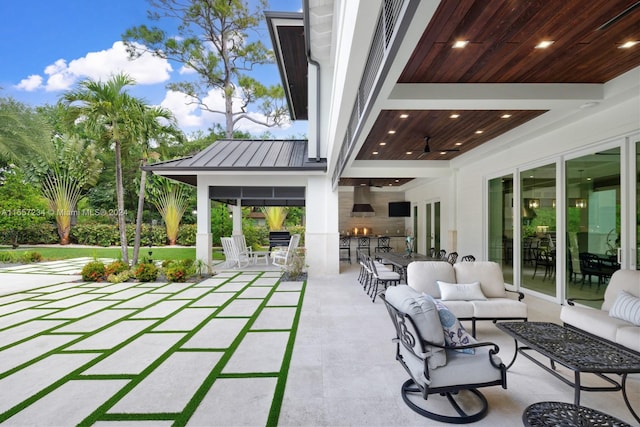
552 414
261 255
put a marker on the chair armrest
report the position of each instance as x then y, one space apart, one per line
520 294
571 301
492 351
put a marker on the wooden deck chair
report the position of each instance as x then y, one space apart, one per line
241 243
283 258
233 255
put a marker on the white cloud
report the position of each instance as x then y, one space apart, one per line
186 70
31 83
188 115
101 65
147 69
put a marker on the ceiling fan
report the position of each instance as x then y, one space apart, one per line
427 148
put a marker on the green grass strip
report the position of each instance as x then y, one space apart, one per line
276 404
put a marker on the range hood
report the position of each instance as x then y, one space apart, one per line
361 205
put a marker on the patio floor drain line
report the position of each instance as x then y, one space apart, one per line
256 294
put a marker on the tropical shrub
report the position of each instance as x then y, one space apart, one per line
145 271
116 267
187 235
123 276
178 271
93 271
10 257
30 256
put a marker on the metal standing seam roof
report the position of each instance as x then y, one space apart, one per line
246 155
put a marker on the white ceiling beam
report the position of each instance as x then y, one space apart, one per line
492 96
398 169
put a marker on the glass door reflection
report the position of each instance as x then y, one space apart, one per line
538 229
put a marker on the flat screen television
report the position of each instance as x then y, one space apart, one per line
399 209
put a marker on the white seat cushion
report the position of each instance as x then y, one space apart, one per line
629 336
496 308
461 309
464 368
594 321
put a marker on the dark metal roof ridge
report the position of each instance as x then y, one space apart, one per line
276 155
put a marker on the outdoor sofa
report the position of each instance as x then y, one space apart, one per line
471 290
618 319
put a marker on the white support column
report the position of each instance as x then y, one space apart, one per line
237 218
321 228
203 235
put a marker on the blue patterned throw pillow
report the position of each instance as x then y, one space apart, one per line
454 333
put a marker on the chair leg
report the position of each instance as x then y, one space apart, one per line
465 416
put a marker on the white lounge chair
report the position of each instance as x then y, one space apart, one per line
284 257
234 256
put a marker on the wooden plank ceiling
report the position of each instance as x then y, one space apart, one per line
502 36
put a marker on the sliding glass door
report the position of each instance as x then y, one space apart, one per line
538 253
500 228
593 222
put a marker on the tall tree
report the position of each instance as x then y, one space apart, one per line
150 128
108 111
213 40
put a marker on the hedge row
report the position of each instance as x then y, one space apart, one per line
98 235
108 235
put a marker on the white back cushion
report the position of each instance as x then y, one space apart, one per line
621 280
423 276
488 273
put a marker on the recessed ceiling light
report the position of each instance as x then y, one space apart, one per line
454 116
458 143
443 152
375 152
479 131
627 45
383 143
544 44
391 132
459 44
397 180
363 184
404 116
390 184
505 116
409 152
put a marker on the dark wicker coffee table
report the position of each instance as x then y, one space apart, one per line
553 414
577 351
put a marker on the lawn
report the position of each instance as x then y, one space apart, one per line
62 252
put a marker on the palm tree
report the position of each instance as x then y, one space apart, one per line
275 216
65 180
171 201
149 128
23 133
108 111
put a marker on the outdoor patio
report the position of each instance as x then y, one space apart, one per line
222 352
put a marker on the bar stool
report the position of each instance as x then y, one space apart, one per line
345 245
364 244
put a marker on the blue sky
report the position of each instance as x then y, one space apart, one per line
47 46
